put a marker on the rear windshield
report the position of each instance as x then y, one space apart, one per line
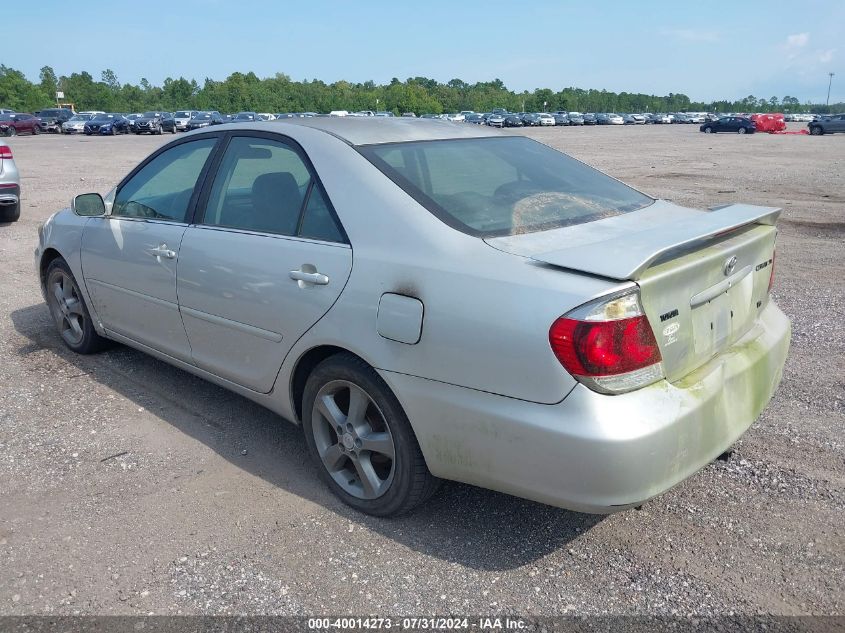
502 186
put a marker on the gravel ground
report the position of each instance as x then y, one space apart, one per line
131 487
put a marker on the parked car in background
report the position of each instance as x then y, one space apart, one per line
252 117
829 124
19 123
575 118
496 120
76 124
561 118
168 123
149 123
513 120
457 117
602 118
545 118
736 124
6 111
614 119
413 115
132 118
12 124
109 123
206 119
53 118
590 119
530 119
183 117
473 117
574 346
634 119
267 116
10 186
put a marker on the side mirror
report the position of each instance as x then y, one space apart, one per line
88 205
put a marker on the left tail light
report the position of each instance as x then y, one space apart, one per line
608 344
5 152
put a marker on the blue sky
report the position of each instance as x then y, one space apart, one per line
707 50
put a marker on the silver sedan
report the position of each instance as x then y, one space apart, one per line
10 185
434 302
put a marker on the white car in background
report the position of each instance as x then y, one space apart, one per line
615 119
457 118
545 118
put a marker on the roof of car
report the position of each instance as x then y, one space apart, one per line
373 130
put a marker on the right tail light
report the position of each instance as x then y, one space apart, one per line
608 344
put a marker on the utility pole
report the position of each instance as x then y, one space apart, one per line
829 82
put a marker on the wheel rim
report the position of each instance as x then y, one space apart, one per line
353 439
742 130
67 309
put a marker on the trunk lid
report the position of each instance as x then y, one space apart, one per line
703 275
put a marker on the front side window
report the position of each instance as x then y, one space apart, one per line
162 189
264 185
502 186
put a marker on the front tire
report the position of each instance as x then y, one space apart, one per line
12 131
361 440
36 130
708 130
817 130
741 130
70 314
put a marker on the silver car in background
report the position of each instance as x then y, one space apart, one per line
76 123
434 302
10 185
183 117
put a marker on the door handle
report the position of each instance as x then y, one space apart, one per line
318 279
162 251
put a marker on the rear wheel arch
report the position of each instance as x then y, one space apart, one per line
304 366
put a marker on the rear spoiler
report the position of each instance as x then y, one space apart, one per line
627 251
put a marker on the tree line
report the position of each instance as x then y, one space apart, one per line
246 91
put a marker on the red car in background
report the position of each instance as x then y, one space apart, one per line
15 123
769 122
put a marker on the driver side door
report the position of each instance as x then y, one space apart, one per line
129 257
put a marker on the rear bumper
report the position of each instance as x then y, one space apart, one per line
592 452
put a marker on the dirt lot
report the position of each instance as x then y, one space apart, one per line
210 505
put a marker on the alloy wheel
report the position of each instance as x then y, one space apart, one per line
353 439
67 308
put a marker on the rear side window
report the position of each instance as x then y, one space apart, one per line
502 186
264 185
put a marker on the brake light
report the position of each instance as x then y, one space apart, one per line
772 272
5 152
608 345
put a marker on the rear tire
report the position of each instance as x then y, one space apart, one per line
13 131
817 130
741 130
69 312
11 215
389 479
708 130
36 130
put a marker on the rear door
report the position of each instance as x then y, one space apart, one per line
266 260
129 257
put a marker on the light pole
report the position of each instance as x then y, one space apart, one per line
829 82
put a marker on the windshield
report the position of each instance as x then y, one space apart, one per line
202 116
245 117
502 186
80 117
6 117
103 117
182 114
151 115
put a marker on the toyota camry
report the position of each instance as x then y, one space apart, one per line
432 302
